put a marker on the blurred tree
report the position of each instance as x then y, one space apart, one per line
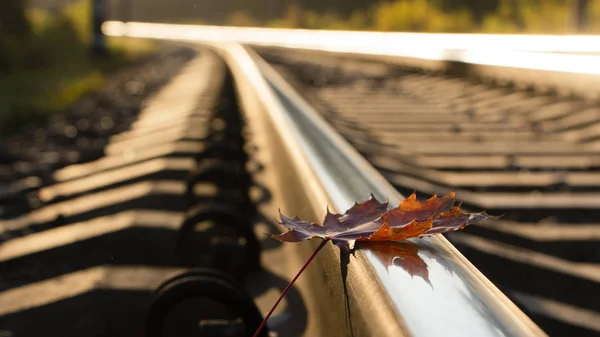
14 32
580 8
12 18
593 16
420 16
241 19
493 16
531 16
339 7
293 15
477 8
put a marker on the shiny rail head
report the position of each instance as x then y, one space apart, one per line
522 42
422 277
436 295
536 52
430 287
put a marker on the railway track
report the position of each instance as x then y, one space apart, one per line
103 235
532 156
161 234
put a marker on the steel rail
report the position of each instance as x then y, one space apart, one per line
459 298
540 61
515 51
422 287
523 42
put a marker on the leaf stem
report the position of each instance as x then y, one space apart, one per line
262 325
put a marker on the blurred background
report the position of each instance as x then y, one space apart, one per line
45 64
490 16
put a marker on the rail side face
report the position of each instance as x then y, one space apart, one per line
422 287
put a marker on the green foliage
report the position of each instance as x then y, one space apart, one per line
241 19
420 16
79 16
482 16
493 16
594 17
528 16
296 17
51 68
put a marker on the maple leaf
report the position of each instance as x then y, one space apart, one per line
372 221
358 221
